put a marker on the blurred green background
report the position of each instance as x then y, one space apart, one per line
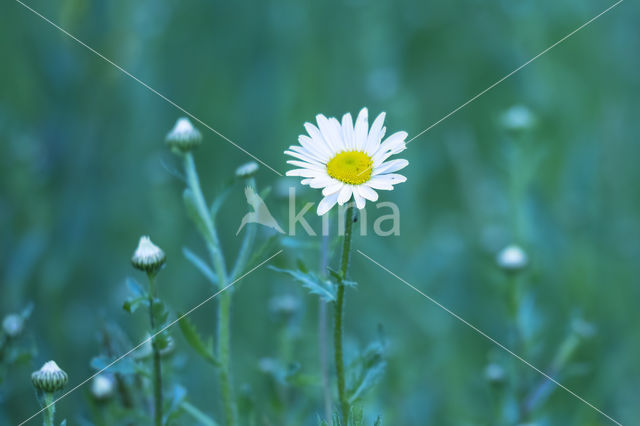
84 172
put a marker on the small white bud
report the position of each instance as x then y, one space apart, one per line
512 258
49 378
518 118
247 170
183 137
148 257
285 305
494 373
583 328
102 387
13 325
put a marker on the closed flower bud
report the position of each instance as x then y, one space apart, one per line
512 258
247 170
148 257
13 325
183 137
49 378
102 387
518 118
494 373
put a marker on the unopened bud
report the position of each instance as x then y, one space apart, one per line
102 387
49 378
247 170
13 325
148 257
518 118
512 258
183 137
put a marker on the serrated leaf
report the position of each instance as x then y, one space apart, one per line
200 265
323 288
191 335
367 370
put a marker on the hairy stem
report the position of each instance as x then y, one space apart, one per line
339 315
157 367
50 410
224 305
322 336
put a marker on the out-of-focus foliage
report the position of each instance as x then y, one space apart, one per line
84 172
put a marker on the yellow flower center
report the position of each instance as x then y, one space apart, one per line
352 167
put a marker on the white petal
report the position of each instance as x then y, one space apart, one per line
365 191
326 203
360 202
318 182
392 178
306 173
318 140
303 157
328 133
394 144
317 166
361 129
379 182
345 194
390 166
375 135
347 131
304 151
314 148
332 188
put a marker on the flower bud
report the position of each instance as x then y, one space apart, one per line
183 137
49 378
284 306
13 325
148 257
518 118
494 373
102 387
512 258
247 170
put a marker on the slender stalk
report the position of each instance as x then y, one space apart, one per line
339 315
49 412
157 367
322 336
224 305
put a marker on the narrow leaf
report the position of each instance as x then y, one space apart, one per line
200 265
205 350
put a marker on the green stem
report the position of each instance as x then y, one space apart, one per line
157 367
198 415
50 409
224 311
224 306
339 315
247 242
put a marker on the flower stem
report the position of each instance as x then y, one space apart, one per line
50 409
339 315
224 305
157 367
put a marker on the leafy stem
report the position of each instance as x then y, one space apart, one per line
157 367
339 315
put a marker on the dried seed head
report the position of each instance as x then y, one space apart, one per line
512 258
183 137
13 325
49 378
148 257
247 170
102 387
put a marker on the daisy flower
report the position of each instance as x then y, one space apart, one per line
346 160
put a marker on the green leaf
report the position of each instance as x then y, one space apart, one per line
133 303
378 421
63 423
177 397
159 312
367 370
220 199
357 416
136 289
200 265
323 288
205 350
